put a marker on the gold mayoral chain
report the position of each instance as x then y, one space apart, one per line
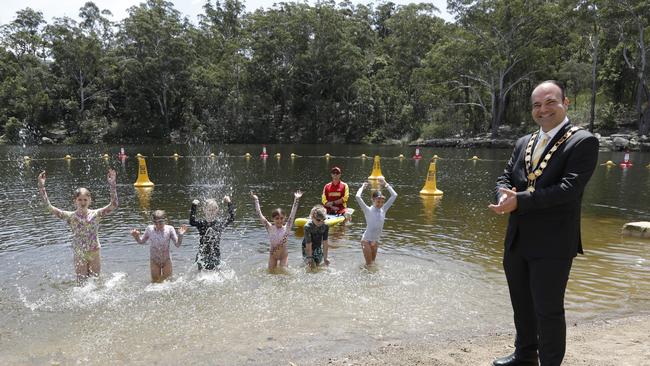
533 175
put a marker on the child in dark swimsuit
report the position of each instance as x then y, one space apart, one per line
315 244
84 224
159 235
210 229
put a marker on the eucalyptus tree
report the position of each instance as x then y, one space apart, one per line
631 18
26 84
585 18
411 32
154 58
511 41
78 61
219 71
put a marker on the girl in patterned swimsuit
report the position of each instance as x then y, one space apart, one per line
278 231
375 216
84 224
159 235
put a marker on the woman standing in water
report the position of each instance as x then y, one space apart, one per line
84 224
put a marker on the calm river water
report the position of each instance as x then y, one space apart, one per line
439 270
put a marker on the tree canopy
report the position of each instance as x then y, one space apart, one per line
320 73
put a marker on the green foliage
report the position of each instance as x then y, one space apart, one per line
610 116
317 73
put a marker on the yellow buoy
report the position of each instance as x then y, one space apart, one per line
138 155
293 155
176 156
364 156
376 169
247 155
430 188
212 155
143 175
67 157
435 157
105 156
401 156
278 155
327 156
474 158
609 163
27 158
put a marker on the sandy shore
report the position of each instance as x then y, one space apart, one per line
623 341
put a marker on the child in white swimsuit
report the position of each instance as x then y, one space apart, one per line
375 216
84 224
278 231
159 235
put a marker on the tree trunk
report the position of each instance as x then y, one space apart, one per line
594 87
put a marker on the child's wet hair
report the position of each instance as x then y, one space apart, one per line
81 191
159 215
319 212
277 212
210 203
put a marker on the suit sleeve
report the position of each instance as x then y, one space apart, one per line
505 180
579 168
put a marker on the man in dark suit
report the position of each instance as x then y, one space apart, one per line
541 188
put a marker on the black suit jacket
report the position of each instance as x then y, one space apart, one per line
546 223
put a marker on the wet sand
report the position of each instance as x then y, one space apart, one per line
624 341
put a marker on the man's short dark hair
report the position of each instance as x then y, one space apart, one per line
556 83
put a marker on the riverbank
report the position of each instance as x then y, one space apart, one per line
623 341
615 142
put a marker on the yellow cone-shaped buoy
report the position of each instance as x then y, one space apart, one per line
364 156
293 155
327 156
247 155
474 158
609 163
67 157
27 158
212 156
430 188
401 156
176 156
143 175
278 155
376 169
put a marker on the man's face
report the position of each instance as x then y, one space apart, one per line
549 109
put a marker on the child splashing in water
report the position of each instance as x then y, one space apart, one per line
84 224
315 244
375 216
159 235
278 231
210 229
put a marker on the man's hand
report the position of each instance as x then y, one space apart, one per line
507 201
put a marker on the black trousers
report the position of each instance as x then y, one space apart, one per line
537 288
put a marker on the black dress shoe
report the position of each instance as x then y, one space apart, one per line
513 360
